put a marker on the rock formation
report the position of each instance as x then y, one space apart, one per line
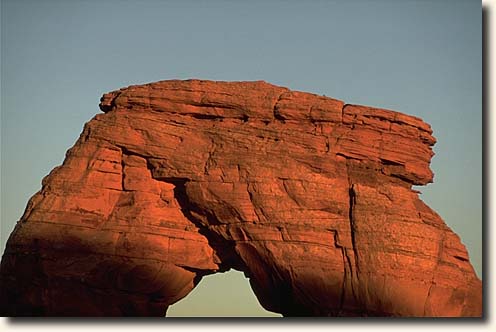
310 197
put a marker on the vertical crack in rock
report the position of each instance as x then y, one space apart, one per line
346 269
123 175
353 198
342 112
354 267
275 112
209 161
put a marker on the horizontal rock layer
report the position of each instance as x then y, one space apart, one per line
310 197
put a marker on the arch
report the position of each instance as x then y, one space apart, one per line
317 211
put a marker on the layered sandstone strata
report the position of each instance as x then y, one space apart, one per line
310 197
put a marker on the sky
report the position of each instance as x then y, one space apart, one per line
417 57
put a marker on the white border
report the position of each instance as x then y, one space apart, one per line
322 325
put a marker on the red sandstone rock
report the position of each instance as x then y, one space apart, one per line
309 197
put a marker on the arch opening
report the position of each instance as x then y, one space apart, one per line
225 294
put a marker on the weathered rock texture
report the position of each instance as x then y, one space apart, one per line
310 197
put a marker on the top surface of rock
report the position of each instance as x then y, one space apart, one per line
310 197
385 136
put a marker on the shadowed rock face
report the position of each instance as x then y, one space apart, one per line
309 197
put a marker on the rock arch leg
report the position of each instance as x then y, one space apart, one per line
102 238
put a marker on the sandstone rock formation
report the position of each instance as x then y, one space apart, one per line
310 197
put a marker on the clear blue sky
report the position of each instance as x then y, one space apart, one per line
417 57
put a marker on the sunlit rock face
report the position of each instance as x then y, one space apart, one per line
310 197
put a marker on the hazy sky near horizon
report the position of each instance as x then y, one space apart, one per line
421 57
